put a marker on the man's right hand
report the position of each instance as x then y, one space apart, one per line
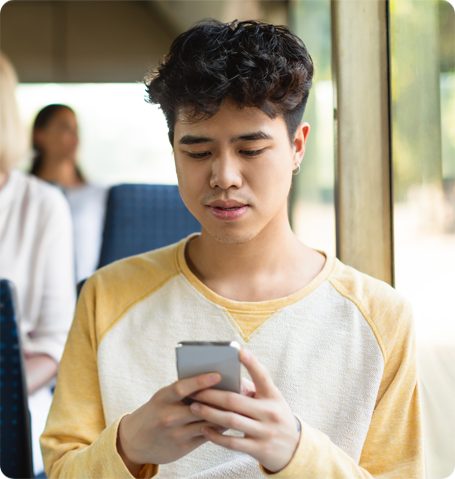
164 429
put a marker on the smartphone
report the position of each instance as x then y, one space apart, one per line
200 357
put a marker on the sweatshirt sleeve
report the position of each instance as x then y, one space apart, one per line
58 295
76 443
393 447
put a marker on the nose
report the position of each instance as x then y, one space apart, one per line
225 173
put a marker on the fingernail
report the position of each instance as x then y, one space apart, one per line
195 407
213 378
205 431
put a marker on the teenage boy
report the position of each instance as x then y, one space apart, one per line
330 350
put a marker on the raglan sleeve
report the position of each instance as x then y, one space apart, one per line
393 448
76 443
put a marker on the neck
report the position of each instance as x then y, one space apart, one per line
263 252
60 171
273 264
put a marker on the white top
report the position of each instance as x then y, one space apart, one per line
88 207
36 254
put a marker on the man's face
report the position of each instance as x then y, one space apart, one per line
235 169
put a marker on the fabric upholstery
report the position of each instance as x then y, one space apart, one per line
141 218
15 437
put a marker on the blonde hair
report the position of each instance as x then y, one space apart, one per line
13 142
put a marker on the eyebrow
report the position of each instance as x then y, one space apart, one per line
194 140
254 136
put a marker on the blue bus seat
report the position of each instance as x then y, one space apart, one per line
15 430
141 218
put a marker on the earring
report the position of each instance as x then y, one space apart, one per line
297 170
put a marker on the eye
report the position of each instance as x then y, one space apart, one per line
204 154
252 152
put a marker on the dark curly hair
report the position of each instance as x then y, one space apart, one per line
254 64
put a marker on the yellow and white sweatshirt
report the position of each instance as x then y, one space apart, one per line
341 351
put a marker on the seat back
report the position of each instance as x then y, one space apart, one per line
141 218
15 433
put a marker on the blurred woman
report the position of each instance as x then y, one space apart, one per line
55 141
36 254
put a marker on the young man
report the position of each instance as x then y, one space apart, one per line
322 342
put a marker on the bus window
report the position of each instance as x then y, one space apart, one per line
123 140
313 212
423 145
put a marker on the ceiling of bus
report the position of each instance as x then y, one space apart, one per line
108 41
180 15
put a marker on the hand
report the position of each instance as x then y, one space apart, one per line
40 369
164 429
271 434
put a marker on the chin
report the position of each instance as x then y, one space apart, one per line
232 237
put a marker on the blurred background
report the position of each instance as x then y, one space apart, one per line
422 39
93 55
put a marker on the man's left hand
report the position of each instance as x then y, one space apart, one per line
268 424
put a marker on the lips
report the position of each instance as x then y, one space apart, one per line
226 204
229 210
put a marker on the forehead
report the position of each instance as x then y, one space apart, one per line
63 115
229 121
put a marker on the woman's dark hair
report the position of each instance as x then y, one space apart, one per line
254 64
42 119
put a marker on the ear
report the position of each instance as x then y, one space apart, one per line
301 136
